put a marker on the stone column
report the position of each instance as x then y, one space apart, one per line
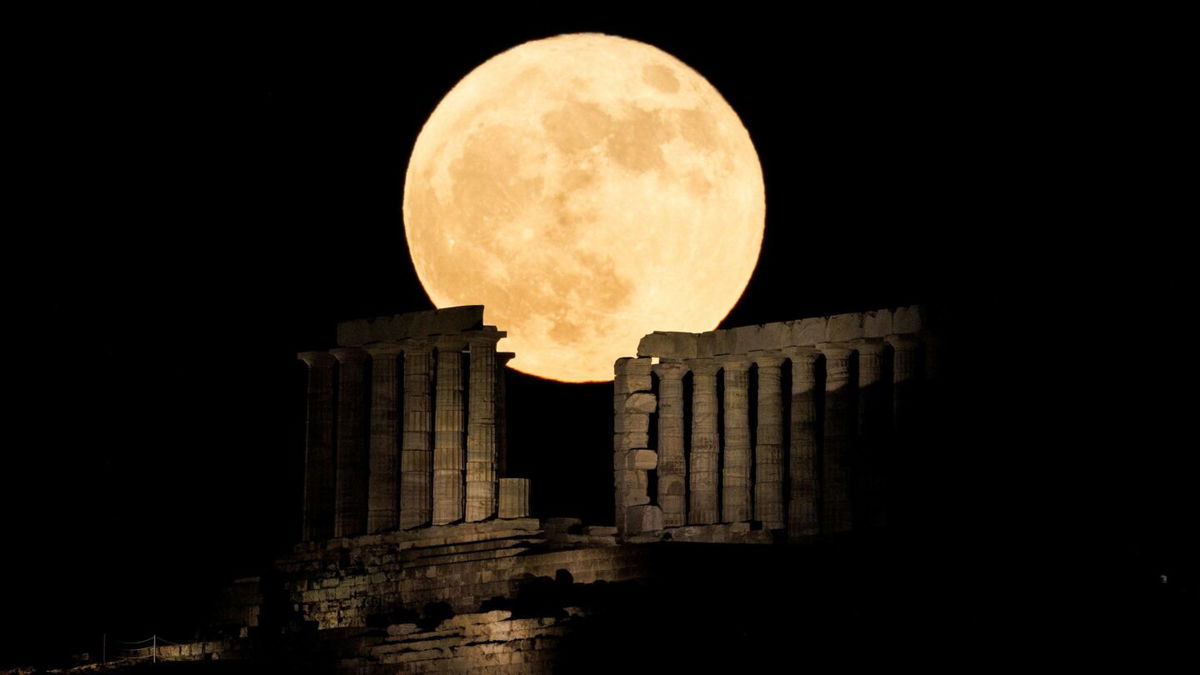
481 427
803 479
448 433
872 423
631 431
672 465
703 463
768 449
905 377
735 465
837 457
416 454
905 422
319 452
383 502
351 494
514 497
502 359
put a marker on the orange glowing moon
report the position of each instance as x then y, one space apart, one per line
587 189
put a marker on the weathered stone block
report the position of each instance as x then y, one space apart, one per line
448 321
640 402
724 342
636 423
907 320
668 345
641 459
807 332
844 327
643 519
877 324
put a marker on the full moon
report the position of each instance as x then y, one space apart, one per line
587 190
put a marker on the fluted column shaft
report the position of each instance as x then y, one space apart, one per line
841 421
383 501
448 432
481 429
735 465
873 417
416 455
319 449
351 494
672 465
502 359
803 479
702 507
768 448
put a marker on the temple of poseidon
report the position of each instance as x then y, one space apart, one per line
732 449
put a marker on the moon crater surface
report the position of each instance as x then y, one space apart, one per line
587 189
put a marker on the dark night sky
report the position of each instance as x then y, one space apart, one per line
219 197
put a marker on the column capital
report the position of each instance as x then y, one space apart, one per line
487 335
503 358
836 350
703 366
768 358
316 358
903 343
349 354
450 343
734 361
379 349
801 355
870 346
670 369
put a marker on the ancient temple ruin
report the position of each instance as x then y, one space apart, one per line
811 458
406 426
416 555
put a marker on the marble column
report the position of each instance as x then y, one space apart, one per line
448 433
514 498
416 454
872 425
502 359
319 464
351 494
803 479
383 501
735 465
837 456
768 447
481 427
672 465
704 461
631 431
905 380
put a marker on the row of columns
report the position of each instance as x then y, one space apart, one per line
424 458
712 483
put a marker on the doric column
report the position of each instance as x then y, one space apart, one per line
735 465
803 480
318 452
905 380
514 498
632 404
768 447
502 359
703 463
672 465
837 455
872 426
481 426
416 454
448 428
383 502
351 494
